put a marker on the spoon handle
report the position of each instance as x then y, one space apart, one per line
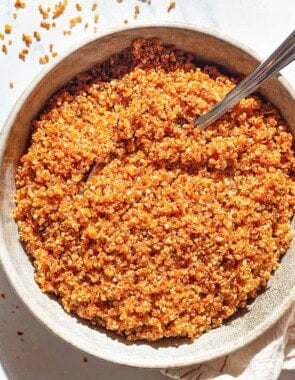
280 58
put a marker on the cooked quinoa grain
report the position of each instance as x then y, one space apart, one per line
141 223
37 36
23 54
44 59
27 39
74 21
59 8
172 5
45 25
7 29
4 49
19 4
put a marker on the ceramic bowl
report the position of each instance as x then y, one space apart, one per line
245 326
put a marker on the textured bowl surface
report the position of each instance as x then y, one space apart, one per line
208 46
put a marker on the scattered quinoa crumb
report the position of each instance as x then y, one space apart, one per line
7 28
78 7
59 8
1 36
51 47
96 18
136 11
53 25
14 15
172 5
37 36
94 6
141 223
23 53
86 25
4 49
74 21
67 32
44 59
119 1
9 42
11 84
27 39
54 54
44 13
19 4
126 21
45 25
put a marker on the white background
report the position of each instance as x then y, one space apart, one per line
260 24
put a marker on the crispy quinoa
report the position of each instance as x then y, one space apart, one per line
141 223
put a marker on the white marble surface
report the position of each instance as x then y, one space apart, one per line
260 24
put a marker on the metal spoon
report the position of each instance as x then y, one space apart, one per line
280 58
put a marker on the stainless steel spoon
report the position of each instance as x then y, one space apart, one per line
280 58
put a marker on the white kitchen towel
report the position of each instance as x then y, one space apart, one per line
263 359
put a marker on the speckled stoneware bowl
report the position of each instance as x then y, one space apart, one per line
235 333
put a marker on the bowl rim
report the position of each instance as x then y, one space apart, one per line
8 266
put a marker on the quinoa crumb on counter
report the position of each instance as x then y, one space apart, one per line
60 8
44 12
23 53
78 7
37 36
74 21
94 7
27 39
172 5
4 49
96 18
136 11
7 28
45 25
138 221
19 4
44 59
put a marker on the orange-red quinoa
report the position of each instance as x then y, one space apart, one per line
141 223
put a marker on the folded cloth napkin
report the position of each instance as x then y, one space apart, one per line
263 359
